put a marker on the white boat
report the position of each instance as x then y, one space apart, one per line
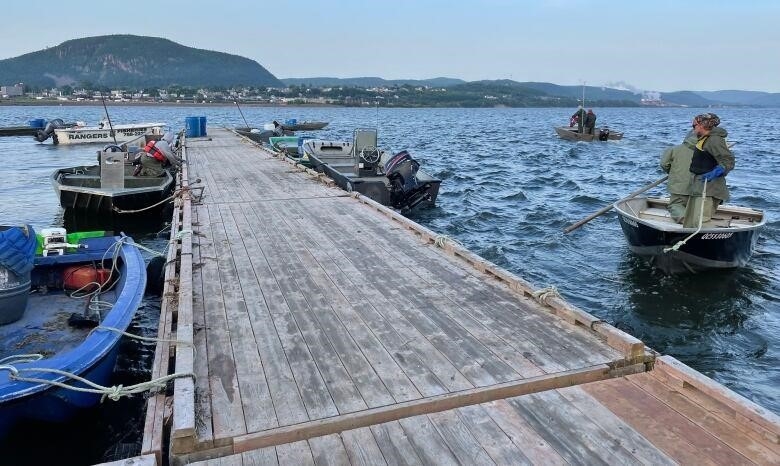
102 133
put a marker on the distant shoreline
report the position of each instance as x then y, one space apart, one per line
59 103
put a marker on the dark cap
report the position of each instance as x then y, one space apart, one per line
707 120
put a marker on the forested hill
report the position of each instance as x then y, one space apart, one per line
132 61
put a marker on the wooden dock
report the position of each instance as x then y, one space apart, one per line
324 328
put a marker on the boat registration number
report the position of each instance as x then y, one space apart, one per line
716 235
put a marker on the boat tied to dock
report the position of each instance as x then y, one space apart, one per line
394 180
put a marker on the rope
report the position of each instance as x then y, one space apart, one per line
113 393
542 295
139 337
681 243
442 241
178 194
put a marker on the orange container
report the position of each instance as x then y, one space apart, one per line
80 276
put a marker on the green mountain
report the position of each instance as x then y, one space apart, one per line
370 82
132 61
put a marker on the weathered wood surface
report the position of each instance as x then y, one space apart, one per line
331 330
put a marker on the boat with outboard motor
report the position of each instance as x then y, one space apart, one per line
727 241
295 125
394 180
79 133
82 290
112 187
599 134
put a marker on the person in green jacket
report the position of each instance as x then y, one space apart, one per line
711 162
579 117
676 161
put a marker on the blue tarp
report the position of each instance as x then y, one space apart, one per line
17 249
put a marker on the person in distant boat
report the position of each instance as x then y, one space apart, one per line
676 161
579 118
590 121
711 162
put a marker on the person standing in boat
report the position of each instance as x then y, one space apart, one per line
711 162
579 118
590 121
676 161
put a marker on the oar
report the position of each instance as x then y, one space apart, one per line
242 114
606 209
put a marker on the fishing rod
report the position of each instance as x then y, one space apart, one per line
239 111
110 126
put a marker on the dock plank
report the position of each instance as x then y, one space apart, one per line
236 282
227 413
680 439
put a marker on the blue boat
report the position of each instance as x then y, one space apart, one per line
59 331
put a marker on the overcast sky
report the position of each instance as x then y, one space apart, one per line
656 46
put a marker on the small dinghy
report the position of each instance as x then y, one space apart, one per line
727 241
73 284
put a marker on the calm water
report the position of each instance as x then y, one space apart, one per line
509 188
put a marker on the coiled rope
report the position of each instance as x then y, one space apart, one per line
442 241
542 295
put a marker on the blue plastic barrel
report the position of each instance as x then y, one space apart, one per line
202 124
39 123
192 127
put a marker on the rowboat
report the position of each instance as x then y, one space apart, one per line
725 242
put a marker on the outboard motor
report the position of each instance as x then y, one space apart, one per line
405 190
604 134
43 134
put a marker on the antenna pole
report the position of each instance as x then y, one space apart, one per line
242 113
110 126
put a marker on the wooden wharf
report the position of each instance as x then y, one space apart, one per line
324 328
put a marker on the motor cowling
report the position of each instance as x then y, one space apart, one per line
405 189
604 134
44 134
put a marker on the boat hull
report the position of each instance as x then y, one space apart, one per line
90 355
79 190
90 135
571 134
710 248
305 126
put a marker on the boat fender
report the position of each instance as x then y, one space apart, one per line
85 277
155 275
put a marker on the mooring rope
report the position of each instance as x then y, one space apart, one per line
113 393
542 295
442 241
178 194
681 243
139 337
